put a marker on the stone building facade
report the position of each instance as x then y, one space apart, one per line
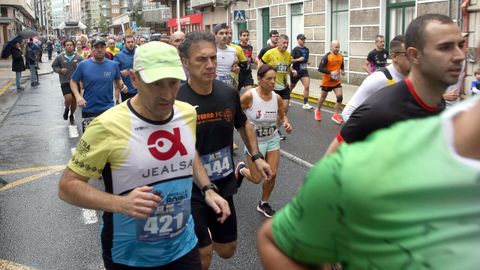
355 23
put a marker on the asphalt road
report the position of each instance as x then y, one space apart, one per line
40 231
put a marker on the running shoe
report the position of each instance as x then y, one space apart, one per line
265 209
318 115
238 174
72 119
65 114
337 118
307 106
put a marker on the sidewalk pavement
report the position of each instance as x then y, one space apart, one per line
7 82
7 76
297 93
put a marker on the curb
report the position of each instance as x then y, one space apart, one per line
327 102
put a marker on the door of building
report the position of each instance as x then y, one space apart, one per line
265 25
297 24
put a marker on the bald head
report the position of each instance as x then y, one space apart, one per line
335 46
177 38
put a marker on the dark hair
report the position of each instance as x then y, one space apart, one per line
69 40
219 27
264 69
193 38
415 34
396 43
128 36
244 31
273 32
477 71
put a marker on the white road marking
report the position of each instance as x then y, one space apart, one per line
296 159
72 129
89 216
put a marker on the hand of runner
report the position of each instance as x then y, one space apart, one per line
125 72
218 204
294 73
264 169
139 203
451 95
288 127
81 102
124 89
63 70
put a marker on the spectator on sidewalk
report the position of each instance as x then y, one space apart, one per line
377 58
50 48
177 38
17 64
32 62
331 66
476 83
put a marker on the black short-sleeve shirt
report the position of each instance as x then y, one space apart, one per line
218 113
388 106
377 59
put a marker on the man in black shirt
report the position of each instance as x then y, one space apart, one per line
377 58
434 46
271 43
300 61
218 113
245 78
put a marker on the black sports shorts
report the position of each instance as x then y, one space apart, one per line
284 94
206 219
66 88
300 75
330 88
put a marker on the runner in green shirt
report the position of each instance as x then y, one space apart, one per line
406 198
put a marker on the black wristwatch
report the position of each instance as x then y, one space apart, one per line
257 156
208 187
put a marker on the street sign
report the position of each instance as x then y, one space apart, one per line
239 15
134 26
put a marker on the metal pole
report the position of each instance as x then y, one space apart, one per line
179 27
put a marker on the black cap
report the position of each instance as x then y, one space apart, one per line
301 36
98 41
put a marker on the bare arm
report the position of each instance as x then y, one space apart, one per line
270 255
332 148
246 100
282 116
214 200
74 189
366 66
76 93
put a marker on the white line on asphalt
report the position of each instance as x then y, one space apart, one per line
300 103
72 129
296 159
89 216
72 150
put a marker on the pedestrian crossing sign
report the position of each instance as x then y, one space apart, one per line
239 15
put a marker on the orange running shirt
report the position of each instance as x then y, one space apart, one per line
330 62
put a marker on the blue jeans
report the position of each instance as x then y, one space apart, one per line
18 76
33 73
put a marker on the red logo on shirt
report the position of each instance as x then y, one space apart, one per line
156 144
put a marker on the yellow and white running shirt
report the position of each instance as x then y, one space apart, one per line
131 151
